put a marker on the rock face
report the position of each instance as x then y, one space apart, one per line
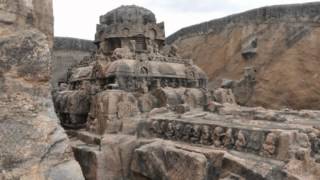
68 52
176 162
27 13
280 42
32 143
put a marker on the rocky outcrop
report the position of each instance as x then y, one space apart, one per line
280 42
66 53
23 14
32 143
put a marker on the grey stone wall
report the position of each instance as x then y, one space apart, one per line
66 43
67 52
308 12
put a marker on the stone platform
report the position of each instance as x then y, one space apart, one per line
235 143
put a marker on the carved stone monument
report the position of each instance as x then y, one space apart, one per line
137 110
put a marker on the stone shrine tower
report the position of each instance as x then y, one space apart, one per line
131 73
129 25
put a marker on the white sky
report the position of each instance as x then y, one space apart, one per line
78 18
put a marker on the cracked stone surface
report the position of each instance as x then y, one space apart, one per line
33 145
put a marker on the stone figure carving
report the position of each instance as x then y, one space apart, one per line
218 133
269 146
228 139
163 127
187 130
315 143
169 131
158 84
303 140
196 134
164 83
205 135
155 126
86 86
144 86
241 141
95 88
130 83
178 129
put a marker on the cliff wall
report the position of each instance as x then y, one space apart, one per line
67 52
281 42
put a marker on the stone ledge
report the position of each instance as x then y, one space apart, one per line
66 43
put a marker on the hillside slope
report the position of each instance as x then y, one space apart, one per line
281 42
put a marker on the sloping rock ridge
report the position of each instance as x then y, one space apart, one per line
279 42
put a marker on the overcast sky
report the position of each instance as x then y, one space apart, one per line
78 18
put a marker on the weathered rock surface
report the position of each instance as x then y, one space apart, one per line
165 160
66 53
281 42
32 143
126 157
23 14
110 161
